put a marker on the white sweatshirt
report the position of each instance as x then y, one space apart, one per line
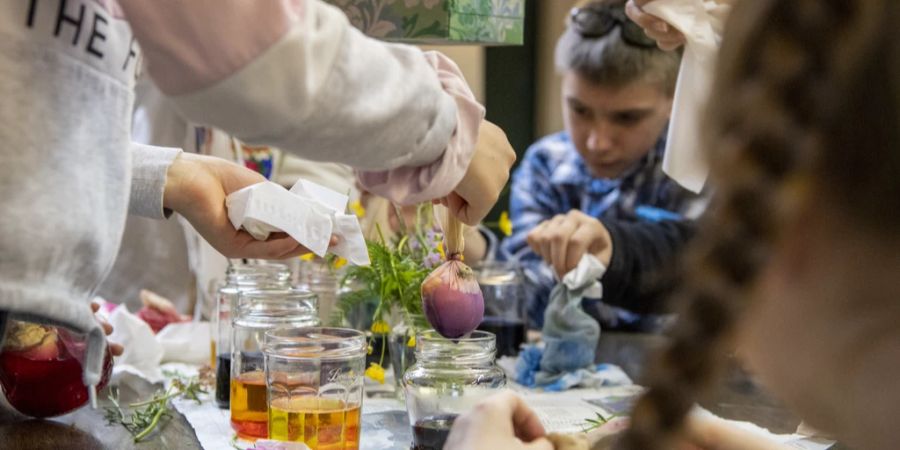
291 73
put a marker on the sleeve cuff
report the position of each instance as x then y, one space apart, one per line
149 166
410 185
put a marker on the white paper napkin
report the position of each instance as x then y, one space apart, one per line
309 213
701 22
586 273
143 353
186 342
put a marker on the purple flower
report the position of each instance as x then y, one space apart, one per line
433 259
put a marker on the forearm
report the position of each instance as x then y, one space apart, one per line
642 252
309 83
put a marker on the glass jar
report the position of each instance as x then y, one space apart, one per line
323 279
239 277
402 345
314 378
259 311
41 368
448 378
504 304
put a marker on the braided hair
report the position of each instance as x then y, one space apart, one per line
812 93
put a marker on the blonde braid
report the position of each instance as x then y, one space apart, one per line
781 69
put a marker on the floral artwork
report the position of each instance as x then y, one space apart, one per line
438 21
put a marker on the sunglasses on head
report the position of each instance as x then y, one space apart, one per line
596 21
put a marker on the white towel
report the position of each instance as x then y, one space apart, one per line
701 22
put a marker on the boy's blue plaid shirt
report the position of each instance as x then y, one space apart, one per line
553 179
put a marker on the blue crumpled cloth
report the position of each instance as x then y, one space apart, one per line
528 373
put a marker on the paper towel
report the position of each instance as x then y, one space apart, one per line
309 213
701 22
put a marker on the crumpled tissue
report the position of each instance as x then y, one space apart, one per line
701 22
186 342
309 213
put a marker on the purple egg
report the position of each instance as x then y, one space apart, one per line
452 300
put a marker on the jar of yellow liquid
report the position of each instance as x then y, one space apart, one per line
259 311
314 378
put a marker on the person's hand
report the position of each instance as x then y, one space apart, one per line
196 187
563 240
666 36
488 173
115 349
502 421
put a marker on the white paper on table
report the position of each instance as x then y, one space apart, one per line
701 22
309 213
568 411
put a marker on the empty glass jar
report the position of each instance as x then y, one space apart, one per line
258 312
322 278
448 378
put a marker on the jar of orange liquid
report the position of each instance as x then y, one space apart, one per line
239 277
259 311
314 378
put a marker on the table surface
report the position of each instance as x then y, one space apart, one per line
738 398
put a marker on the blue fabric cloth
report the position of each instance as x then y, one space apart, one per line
527 372
553 179
569 333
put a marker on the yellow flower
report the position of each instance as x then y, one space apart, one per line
307 257
411 342
376 372
440 250
505 224
357 208
380 327
339 262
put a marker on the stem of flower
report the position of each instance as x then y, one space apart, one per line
154 400
150 427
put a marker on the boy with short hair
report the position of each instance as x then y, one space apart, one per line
598 187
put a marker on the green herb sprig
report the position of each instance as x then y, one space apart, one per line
146 416
597 422
392 281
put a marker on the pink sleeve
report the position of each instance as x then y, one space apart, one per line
410 185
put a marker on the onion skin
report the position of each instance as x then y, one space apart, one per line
452 300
